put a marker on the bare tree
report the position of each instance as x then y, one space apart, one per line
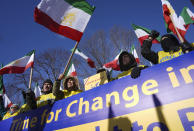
122 38
101 47
50 63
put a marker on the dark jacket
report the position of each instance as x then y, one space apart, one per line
171 49
3 111
130 68
131 64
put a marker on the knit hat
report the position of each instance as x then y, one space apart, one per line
131 64
48 81
170 43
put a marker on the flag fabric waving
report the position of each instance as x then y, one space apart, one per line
134 52
173 21
71 71
143 33
37 91
19 65
113 65
186 17
89 61
7 103
65 17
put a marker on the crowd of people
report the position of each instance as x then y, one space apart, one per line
128 66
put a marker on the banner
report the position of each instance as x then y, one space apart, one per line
95 80
162 98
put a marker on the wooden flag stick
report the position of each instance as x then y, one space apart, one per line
30 81
69 61
179 36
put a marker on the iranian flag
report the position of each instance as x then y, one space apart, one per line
89 61
7 103
65 17
171 19
186 17
143 33
71 71
134 52
113 65
20 65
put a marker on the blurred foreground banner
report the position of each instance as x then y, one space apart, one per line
161 99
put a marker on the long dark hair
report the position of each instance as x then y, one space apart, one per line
75 83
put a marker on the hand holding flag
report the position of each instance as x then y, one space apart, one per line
143 33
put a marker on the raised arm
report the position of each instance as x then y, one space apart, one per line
146 51
56 88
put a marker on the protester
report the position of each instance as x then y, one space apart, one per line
47 96
170 45
2 108
70 84
7 113
128 65
13 111
30 101
24 96
47 87
108 74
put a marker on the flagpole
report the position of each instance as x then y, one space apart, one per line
181 39
179 36
151 64
30 81
74 49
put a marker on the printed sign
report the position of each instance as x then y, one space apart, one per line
162 98
95 80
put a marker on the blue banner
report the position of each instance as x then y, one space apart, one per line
162 97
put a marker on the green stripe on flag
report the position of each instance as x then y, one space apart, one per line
81 4
30 53
76 50
132 48
135 27
140 27
68 69
186 17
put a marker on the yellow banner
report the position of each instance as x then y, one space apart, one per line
167 117
95 80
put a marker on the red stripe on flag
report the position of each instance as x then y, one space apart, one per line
73 73
9 105
166 14
43 19
141 39
15 69
91 63
137 60
113 64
